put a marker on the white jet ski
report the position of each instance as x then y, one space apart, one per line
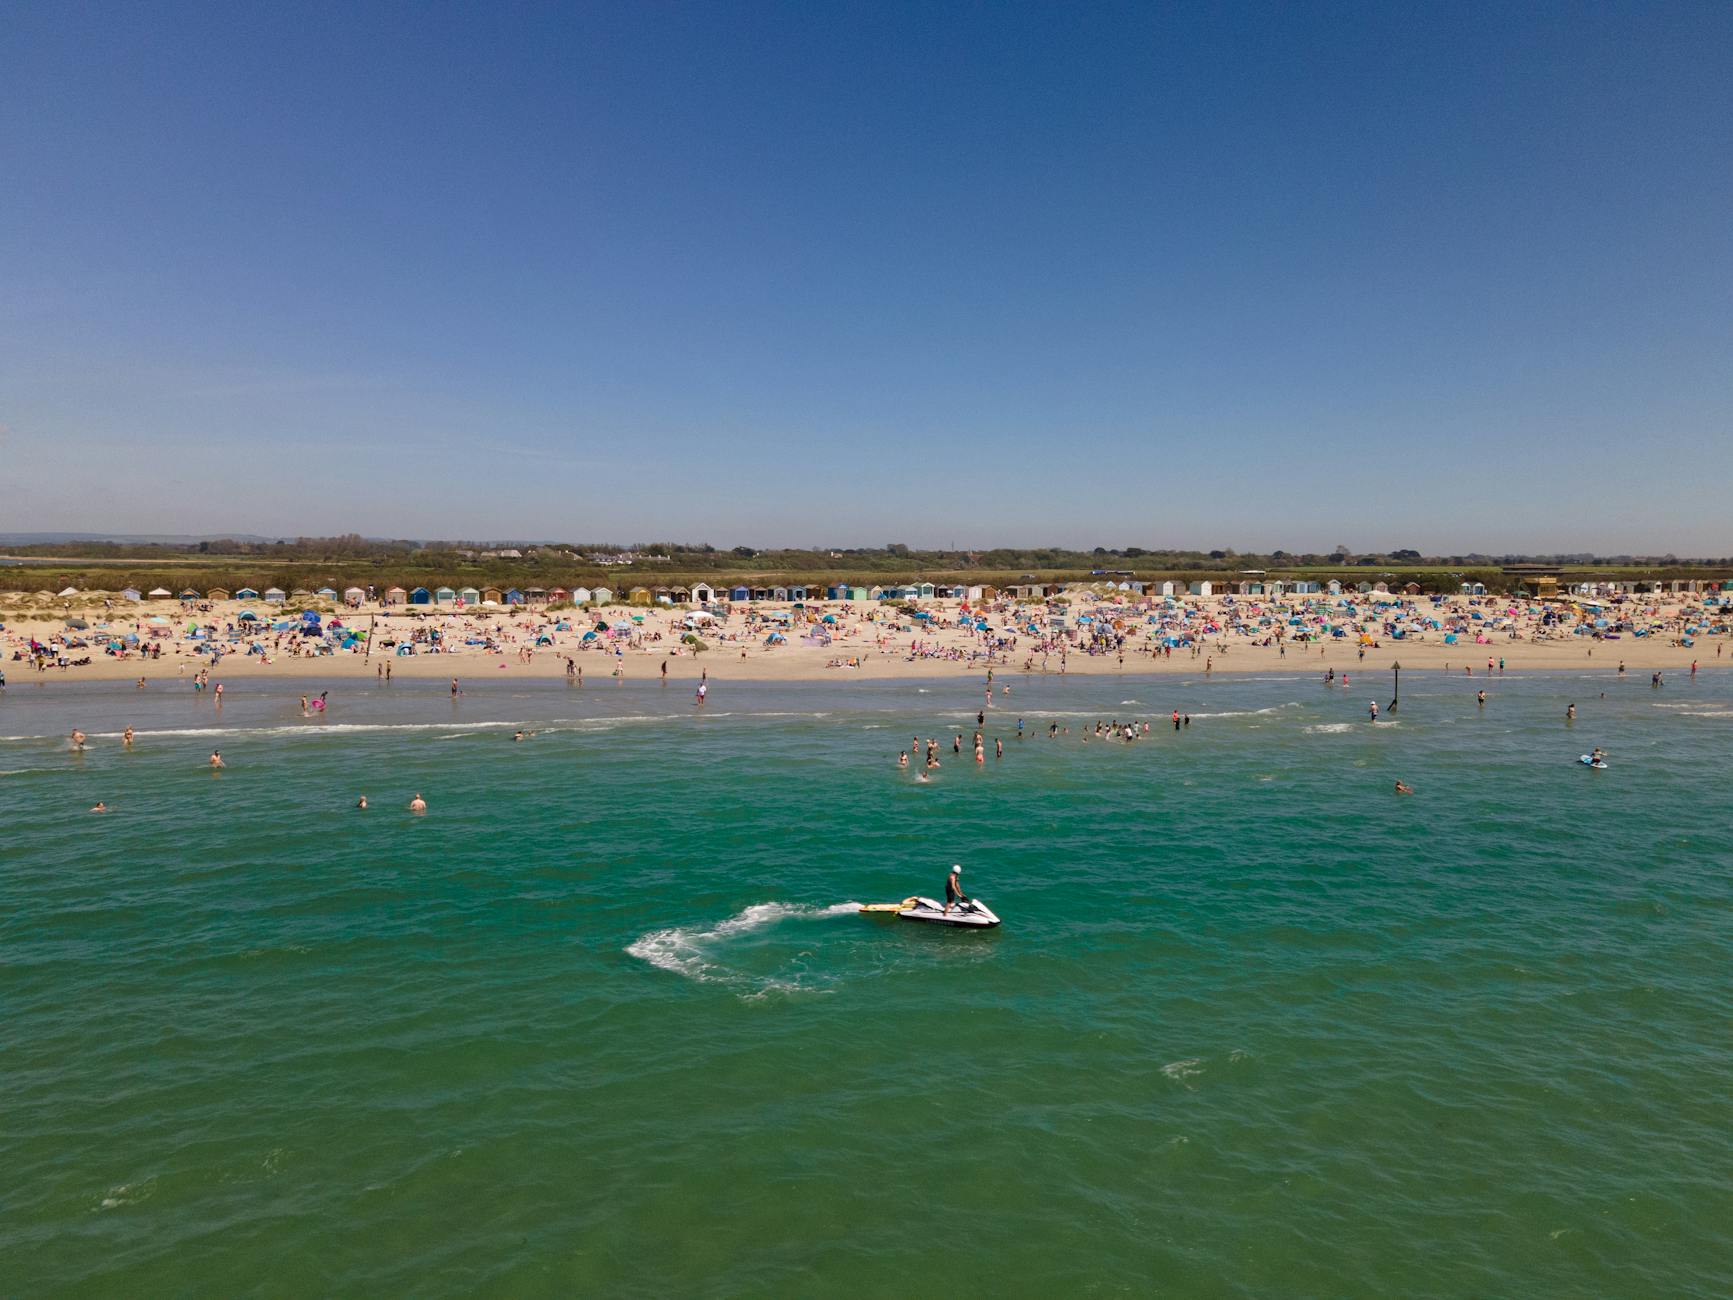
972 914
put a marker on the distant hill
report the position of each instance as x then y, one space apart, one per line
126 539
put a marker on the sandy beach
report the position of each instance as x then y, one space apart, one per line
1083 634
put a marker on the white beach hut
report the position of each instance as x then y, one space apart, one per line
702 593
275 595
582 595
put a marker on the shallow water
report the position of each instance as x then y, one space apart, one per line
600 1022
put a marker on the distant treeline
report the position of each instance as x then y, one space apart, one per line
339 562
690 558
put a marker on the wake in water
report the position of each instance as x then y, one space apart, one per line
698 954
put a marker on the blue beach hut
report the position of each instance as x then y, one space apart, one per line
421 596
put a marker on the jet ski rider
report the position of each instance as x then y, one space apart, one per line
954 888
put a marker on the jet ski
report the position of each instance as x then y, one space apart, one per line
972 914
1589 760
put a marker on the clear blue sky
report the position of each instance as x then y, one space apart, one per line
1448 276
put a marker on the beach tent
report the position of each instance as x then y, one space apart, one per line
248 616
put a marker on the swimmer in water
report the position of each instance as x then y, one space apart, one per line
520 735
77 739
126 738
1570 713
903 759
1403 788
361 802
216 759
100 807
418 804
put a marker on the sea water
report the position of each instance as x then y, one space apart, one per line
605 1020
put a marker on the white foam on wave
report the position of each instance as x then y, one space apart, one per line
692 952
1182 1071
1329 728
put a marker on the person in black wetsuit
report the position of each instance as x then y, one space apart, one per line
954 888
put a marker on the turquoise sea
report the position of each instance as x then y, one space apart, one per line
600 1023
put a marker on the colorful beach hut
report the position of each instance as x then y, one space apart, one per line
603 595
492 596
740 593
353 596
421 596
582 595
159 593
513 596
244 593
702 593
444 596
469 595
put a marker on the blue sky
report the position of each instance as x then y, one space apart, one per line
1446 276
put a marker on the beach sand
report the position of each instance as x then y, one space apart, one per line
866 642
